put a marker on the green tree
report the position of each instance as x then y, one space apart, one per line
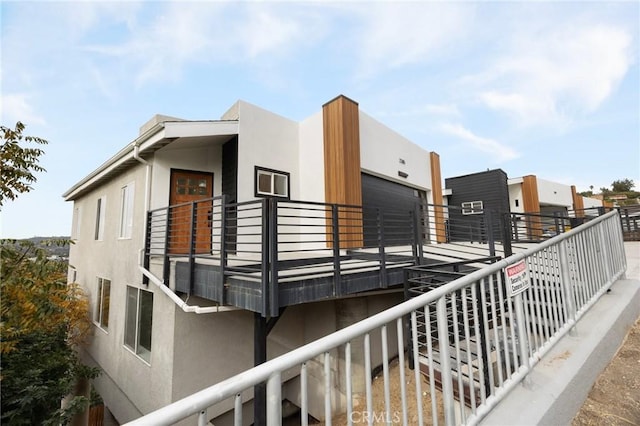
43 319
622 185
18 163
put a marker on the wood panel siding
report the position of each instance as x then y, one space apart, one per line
342 181
578 202
436 191
531 204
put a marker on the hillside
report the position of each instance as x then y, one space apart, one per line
49 244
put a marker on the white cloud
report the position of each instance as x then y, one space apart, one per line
500 152
552 75
266 31
82 17
527 108
187 33
395 36
425 111
17 107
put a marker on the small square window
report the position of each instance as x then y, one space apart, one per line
271 183
280 185
472 207
264 183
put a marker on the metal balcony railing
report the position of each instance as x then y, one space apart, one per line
472 340
265 254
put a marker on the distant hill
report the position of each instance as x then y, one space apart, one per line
53 249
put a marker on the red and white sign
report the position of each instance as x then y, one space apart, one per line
517 278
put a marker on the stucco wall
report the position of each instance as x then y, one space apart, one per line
591 202
212 347
266 140
381 150
554 193
311 157
203 159
147 385
515 196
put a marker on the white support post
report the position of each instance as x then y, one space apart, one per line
445 362
523 337
274 399
568 290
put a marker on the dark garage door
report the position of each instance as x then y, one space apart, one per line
395 201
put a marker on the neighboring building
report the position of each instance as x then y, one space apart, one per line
493 190
155 343
530 194
473 195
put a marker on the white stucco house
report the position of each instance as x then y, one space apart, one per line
530 193
201 238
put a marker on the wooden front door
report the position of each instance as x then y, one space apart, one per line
195 189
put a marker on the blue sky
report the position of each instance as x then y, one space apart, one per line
544 88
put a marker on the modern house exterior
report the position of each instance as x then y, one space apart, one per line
531 194
179 280
533 203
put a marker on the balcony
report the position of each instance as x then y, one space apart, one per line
267 254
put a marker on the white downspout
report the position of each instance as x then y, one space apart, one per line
147 184
147 202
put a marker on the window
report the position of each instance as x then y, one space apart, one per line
100 216
271 183
472 207
189 186
101 315
126 211
138 322
75 229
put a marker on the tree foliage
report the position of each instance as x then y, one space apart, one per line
18 163
622 185
43 318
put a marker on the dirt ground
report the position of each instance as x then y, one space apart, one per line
360 414
614 399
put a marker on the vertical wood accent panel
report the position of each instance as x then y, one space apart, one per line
342 181
436 190
578 202
531 204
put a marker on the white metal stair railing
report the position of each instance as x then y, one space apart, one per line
567 275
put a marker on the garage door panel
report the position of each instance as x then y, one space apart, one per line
395 202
